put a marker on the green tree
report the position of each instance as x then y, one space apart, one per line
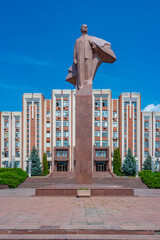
45 165
129 165
36 168
117 162
147 163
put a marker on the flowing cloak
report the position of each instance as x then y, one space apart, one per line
103 53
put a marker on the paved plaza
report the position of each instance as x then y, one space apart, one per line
21 210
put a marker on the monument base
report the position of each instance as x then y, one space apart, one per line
84 135
81 191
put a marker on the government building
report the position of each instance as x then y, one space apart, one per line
49 125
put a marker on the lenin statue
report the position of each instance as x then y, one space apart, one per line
89 53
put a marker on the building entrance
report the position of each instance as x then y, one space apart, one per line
62 166
101 167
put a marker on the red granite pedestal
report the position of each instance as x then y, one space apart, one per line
84 135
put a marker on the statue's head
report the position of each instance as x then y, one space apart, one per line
84 29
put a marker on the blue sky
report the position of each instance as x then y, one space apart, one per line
37 38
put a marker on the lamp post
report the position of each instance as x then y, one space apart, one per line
29 167
152 164
12 162
137 168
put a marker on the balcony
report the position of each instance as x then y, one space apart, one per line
61 158
101 158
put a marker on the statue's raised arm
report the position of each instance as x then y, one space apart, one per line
89 53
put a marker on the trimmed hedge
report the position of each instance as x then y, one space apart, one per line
152 180
12 176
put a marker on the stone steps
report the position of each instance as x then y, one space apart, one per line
69 178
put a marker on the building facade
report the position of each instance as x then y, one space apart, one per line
49 125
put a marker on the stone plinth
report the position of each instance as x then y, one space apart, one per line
84 135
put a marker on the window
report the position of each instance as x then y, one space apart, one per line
125 104
58 134
27 130
97 103
58 114
135 110
37 145
114 114
104 143
58 124
104 124
146 154
6 154
146 125
17 154
61 153
28 103
6 164
48 153
48 135
48 125
37 115
65 123
97 123
157 125
135 130
115 144
6 135
37 120
48 114
17 125
125 110
65 103
100 153
27 110
104 103
66 143
27 120
157 134
5 144
65 114
157 154
114 134
97 114
145 134
48 144
104 133
17 144
135 104
97 133
97 143
65 134
27 115
58 143
104 113
157 145
114 124
146 144
58 103
125 125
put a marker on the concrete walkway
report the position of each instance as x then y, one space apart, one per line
21 210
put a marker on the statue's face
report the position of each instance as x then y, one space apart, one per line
84 28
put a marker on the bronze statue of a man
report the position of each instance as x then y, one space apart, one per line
89 53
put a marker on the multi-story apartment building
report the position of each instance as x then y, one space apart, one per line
49 125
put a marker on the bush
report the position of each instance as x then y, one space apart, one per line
147 163
129 165
36 168
12 176
152 180
45 165
117 162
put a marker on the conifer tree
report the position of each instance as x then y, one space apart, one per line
45 165
129 165
117 162
36 168
147 163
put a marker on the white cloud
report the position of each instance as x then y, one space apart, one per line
152 108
